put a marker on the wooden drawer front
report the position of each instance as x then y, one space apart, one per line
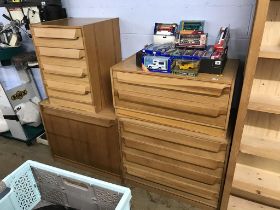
185 85
81 89
173 181
59 43
65 70
87 99
60 52
186 170
172 123
67 84
57 33
173 150
72 105
183 99
198 201
173 135
75 63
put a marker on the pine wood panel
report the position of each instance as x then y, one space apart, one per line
263 125
236 203
261 147
257 184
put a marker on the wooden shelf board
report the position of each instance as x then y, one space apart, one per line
257 184
260 147
261 103
236 203
272 52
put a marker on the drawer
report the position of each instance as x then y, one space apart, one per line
177 136
87 99
57 33
173 181
59 43
75 63
198 201
186 170
67 84
173 150
188 100
72 105
60 52
172 123
65 70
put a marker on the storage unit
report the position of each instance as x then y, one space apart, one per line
174 130
90 141
75 56
254 166
34 186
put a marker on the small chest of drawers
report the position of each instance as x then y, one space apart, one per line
174 130
75 55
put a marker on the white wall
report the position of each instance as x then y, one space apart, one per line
137 18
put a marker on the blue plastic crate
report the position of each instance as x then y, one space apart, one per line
32 183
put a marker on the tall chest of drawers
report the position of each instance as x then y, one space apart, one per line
174 130
75 56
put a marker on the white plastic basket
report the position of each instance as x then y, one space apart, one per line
34 182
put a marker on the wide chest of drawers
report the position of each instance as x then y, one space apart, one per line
174 130
75 56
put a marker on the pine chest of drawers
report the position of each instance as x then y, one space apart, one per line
75 56
174 130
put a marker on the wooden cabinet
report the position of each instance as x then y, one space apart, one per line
75 56
174 130
88 140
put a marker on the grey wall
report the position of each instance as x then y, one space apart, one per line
138 17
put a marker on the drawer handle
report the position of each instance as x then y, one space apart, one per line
190 107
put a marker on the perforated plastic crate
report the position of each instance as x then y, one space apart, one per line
34 185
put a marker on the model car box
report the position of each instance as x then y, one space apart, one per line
213 65
165 33
157 64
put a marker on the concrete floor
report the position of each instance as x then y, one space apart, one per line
13 153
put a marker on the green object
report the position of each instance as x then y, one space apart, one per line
9 52
31 133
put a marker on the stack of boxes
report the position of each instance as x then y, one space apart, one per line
174 130
75 56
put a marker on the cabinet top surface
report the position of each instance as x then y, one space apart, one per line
129 65
70 22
